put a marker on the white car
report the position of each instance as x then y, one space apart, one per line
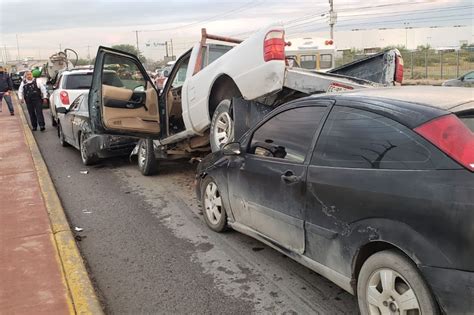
69 85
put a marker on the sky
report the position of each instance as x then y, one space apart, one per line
43 27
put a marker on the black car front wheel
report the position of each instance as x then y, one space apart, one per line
88 158
213 207
389 283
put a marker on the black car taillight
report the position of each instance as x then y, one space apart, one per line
450 135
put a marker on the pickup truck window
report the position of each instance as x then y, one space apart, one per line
123 69
213 52
180 75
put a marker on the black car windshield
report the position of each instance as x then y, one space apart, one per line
78 81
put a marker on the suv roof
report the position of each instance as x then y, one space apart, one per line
435 96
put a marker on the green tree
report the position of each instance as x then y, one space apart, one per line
83 62
131 50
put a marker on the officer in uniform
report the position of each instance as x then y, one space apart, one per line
6 86
34 94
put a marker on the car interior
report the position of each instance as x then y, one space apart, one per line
173 97
130 103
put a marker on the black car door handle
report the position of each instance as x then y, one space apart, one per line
290 178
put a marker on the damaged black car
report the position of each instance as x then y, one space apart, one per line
74 129
373 189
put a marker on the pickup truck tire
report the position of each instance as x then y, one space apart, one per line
390 283
147 162
222 126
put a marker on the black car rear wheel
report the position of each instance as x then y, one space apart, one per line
88 158
389 283
213 208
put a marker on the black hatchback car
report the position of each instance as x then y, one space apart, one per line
373 189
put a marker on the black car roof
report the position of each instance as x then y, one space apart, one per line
446 98
409 105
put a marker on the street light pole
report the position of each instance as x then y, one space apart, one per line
136 36
406 34
17 48
332 18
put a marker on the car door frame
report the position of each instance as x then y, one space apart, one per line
95 96
247 139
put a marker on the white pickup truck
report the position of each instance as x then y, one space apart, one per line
194 111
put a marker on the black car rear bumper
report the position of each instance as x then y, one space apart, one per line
107 146
454 289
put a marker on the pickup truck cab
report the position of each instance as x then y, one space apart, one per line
193 113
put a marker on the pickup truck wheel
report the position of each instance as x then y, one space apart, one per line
214 211
389 283
146 157
222 126
88 158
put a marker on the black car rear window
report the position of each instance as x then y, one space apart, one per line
355 138
468 119
78 81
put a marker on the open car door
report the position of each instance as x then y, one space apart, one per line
123 100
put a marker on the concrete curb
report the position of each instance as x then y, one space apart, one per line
82 293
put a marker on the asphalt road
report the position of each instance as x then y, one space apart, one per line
149 251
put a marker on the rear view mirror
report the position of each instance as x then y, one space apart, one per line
61 110
231 148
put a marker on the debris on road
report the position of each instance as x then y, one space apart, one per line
86 211
85 172
78 229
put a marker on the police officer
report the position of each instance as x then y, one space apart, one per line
6 86
34 94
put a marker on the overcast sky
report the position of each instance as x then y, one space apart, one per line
44 26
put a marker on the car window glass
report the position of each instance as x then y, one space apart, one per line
180 74
288 135
121 71
308 61
78 81
469 76
359 139
325 61
83 107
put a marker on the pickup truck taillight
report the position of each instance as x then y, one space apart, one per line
64 97
274 46
398 69
452 137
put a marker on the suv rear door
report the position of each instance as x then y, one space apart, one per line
123 99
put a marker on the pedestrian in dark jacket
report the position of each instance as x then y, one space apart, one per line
6 87
34 94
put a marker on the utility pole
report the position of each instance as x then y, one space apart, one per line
17 48
88 52
60 47
332 18
166 45
172 53
136 36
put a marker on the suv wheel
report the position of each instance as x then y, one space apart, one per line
146 157
214 211
389 283
88 158
222 126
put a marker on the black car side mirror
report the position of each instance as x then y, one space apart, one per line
61 110
231 148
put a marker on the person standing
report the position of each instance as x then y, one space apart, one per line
6 86
34 94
